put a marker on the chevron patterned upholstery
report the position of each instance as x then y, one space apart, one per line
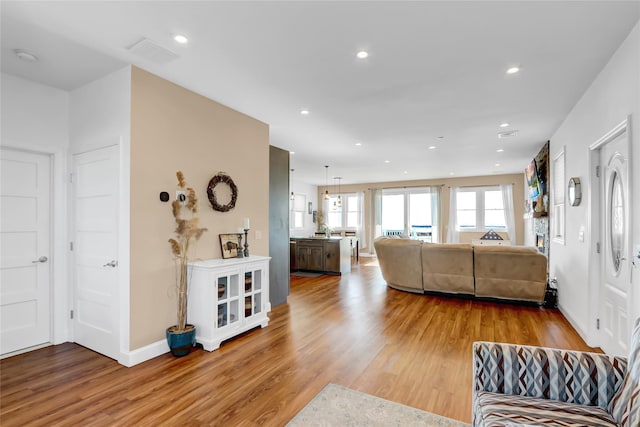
524 385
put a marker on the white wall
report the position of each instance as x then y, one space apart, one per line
310 192
100 116
36 118
613 95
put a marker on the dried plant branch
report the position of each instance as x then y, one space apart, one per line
186 232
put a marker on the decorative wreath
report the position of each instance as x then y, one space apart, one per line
222 178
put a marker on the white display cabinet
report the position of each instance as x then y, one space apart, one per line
227 297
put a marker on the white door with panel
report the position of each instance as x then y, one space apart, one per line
95 248
615 232
25 270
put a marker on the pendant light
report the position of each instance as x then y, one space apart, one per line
335 205
339 178
326 180
293 197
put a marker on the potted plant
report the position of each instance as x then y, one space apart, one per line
181 337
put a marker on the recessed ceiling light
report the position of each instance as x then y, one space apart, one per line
362 54
181 38
24 55
387 161
432 147
358 144
499 150
513 70
405 172
452 173
504 125
497 164
304 112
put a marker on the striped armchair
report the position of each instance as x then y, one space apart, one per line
518 385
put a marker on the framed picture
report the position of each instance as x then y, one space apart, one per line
230 245
310 208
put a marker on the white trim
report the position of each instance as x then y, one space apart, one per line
577 326
594 225
148 352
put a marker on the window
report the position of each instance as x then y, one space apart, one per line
298 210
345 215
557 214
479 209
411 212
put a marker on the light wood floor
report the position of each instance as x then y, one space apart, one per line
350 330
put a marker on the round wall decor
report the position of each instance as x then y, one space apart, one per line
219 179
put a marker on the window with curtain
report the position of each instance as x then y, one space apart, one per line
480 209
558 212
411 212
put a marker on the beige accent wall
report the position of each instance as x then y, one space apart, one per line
175 129
446 183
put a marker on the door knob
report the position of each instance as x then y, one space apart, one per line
113 263
41 259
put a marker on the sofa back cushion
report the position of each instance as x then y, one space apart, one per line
511 272
447 267
625 405
400 262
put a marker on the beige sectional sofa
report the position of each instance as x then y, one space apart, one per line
505 272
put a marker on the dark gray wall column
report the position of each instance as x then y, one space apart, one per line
278 225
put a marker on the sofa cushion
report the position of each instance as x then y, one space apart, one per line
498 410
400 262
447 267
625 405
510 272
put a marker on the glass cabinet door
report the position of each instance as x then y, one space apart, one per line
228 295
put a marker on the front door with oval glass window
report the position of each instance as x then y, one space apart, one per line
615 267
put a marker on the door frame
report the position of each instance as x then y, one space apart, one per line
59 298
595 223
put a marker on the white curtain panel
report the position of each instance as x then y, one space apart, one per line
435 214
376 216
452 231
507 201
360 233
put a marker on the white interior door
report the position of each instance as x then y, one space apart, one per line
96 317
25 286
615 233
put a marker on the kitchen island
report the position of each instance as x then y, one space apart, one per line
331 255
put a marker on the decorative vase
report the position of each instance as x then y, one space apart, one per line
181 342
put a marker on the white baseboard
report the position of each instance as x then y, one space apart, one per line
577 326
143 354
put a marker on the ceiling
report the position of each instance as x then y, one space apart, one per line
435 75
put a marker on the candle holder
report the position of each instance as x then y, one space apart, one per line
240 253
246 242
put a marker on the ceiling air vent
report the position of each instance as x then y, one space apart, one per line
507 134
152 51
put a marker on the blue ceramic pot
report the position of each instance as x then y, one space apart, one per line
181 342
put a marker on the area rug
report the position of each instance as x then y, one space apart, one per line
339 406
